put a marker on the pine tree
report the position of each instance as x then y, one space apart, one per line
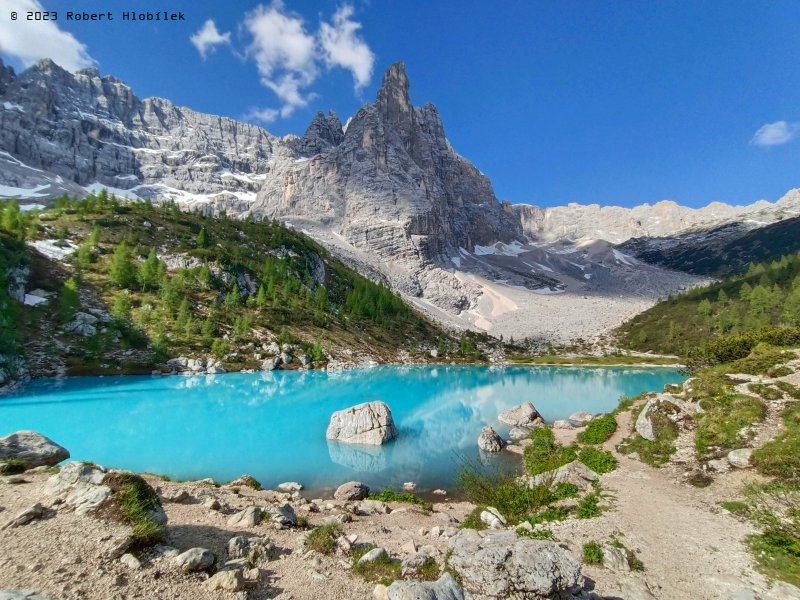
149 272
202 238
122 307
261 296
122 272
791 307
722 298
704 308
68 300
183 315
232 298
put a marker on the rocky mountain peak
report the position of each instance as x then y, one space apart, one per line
394 101
324 132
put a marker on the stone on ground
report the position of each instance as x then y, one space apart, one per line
352 490
33 448
499 565
444 588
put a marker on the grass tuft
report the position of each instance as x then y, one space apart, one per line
12 466
137 501
322 539
592 553
388 495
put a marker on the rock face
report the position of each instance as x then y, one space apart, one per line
367 423
522 415
499 565
489 441
33 448
444 588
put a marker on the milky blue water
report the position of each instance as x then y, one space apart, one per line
272 425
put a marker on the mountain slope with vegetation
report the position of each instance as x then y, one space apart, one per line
767 294
129 285
720 251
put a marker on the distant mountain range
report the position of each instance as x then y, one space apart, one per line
386 192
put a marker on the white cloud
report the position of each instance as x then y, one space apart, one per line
774 134
342 47
31 41
208 37
290 56
284 52
262 115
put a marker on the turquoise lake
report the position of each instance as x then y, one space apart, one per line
272 425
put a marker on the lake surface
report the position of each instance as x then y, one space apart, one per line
272 425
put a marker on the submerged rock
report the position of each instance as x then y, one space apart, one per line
489 441
367 423
34 449
522 415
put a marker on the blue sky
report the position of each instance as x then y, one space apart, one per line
617 102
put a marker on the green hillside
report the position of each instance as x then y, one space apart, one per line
768 294
165 283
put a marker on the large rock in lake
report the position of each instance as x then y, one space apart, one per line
503 565
522 415
489 440
33 448
367 423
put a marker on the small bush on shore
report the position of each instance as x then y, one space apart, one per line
388 495
598 430
137 501
545 454
322 539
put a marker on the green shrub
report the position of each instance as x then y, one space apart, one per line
736 507
12 466
429 571
781 371
388 495
589 506
550 514
545 454
778 554
598 430
564 490
513 499
655 454
599 461
322 539
592 553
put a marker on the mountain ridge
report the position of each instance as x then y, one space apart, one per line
386 193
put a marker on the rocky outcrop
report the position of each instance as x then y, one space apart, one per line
368 423
522 415
34 449
444 588
489 440
660 406
575 473
499 565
